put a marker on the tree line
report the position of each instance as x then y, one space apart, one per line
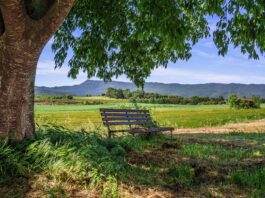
141 96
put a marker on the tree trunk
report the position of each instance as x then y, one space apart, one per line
17 76
22 37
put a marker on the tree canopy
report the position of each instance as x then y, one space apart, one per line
132 37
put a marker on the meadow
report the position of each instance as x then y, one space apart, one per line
87 117
71 157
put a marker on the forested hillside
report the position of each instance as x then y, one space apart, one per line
93 87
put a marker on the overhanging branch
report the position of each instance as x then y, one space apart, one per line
47 25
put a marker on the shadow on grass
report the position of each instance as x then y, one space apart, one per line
83 158
88 160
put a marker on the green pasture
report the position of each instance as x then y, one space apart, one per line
179 116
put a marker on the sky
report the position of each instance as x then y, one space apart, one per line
205 66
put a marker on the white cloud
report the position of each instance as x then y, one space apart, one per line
47 67
203 54
177 75
208 44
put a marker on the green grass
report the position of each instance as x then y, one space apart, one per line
253 179
189 166
61 162
179 116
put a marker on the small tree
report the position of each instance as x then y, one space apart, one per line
257 101
243 103
233 100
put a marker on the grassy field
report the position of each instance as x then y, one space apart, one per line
60 163
71 162
87 117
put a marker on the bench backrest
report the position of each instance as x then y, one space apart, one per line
128 117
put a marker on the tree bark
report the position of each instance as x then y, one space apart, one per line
17 76
21 43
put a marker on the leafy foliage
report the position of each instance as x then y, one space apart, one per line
243 103
115 37
241 24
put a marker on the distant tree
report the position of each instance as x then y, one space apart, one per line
111 92
233 100
127 93
243 103
257 101
119 94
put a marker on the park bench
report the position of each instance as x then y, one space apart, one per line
136 121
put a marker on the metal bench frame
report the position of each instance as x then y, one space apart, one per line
139 121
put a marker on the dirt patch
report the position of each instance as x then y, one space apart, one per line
158 157
202 191
255 126
20 188
223 143
40 186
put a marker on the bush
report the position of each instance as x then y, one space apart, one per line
237 102
69 97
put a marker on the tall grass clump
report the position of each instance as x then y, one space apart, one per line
253 179
83 158
11 163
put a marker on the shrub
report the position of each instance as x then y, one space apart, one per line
69 97
237 102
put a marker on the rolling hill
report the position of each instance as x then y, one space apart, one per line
95 87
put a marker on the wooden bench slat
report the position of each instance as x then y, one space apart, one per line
125 118
120 130
126 123
123 110
125 115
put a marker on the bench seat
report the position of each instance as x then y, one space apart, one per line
150 130
136 121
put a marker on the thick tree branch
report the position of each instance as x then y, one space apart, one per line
14 17
51 21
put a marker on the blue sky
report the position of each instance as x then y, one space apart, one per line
205 66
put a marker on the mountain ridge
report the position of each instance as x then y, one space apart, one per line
97 87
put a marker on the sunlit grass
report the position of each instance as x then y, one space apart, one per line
178 116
